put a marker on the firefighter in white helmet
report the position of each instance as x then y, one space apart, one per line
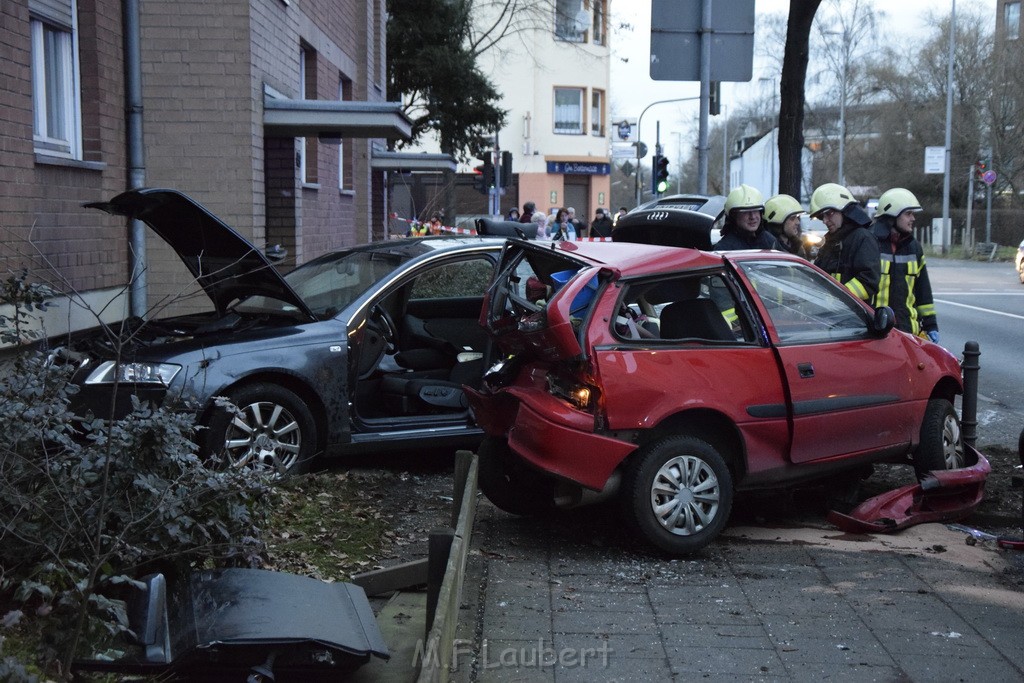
743 228
904 285
782 214
850 251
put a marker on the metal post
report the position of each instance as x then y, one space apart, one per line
725 151
842 108
968 235
705 98
946 227
969 404
988 213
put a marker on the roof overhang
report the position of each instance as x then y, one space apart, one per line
412 161
334 119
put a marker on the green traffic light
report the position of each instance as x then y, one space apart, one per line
662 186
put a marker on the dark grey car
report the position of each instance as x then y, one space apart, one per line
360 349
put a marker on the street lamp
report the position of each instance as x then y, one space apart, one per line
949 132
844 77
775 144
679 160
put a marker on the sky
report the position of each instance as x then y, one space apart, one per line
633 89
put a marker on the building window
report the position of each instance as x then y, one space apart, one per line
1011 20
345 156
597 113
55 88
569 111
567 21
600 10
307 90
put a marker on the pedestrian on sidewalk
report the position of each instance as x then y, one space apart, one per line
602 225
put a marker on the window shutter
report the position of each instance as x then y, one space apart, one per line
59 12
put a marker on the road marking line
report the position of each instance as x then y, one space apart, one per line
978 308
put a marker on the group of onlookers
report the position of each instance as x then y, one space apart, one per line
563 223
879 261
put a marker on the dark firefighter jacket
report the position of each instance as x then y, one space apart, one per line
734 238
904 285
850 255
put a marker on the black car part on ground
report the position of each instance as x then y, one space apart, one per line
225 624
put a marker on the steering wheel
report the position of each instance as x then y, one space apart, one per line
386 326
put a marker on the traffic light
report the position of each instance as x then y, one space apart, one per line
484 180
506 169
655 162
715 100
660 174
980 166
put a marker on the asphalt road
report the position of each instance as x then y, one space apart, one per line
984 302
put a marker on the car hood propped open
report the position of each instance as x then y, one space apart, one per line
226 265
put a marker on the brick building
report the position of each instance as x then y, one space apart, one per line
268 112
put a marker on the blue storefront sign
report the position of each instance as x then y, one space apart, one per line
579 168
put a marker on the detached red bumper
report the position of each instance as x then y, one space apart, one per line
942 496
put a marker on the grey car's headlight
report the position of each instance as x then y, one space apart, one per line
110 372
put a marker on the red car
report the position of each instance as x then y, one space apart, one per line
674 377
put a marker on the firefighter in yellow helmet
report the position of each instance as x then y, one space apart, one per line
850 251
782 215
904 285
743 228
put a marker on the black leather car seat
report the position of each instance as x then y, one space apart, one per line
694 319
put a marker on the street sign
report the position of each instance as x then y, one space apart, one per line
641 150
934 159
675 40
989 177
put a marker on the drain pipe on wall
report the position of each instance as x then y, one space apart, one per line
136 159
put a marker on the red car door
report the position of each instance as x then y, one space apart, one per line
850 391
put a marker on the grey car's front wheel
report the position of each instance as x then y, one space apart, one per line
942 444
271 428
678 493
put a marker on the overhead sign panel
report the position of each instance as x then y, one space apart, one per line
675 40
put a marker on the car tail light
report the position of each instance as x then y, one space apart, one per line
581 395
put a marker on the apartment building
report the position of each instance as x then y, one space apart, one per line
553 71
268 112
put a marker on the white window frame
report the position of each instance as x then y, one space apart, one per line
597 113
301 142
56 91
1011 20
341 143
561 119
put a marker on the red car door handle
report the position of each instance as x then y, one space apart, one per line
806 370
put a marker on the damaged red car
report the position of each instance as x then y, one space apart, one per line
674 378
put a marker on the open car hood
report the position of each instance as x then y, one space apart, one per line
226 265
684 224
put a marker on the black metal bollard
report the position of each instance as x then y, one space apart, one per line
969 407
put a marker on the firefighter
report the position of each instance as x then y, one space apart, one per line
743 228
782 214
850 251
904 285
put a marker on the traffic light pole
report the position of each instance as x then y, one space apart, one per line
637 186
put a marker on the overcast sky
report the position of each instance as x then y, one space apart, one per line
633 89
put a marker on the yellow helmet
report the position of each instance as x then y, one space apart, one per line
744 198
780 207
895 201
830 196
